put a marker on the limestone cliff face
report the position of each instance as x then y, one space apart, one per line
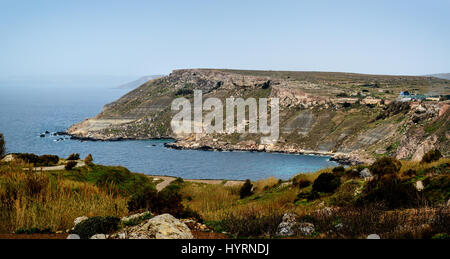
319 112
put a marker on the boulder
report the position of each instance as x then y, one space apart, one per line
365 173
306 228
286 227
373 236
164 226
419 185
73 236
99 236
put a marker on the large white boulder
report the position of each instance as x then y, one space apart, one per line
164 226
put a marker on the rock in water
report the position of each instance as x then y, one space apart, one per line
164 226
73 236
373 236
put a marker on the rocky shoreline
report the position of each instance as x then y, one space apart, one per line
341 158
247 146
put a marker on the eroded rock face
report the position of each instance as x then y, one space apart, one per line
164 226
312 116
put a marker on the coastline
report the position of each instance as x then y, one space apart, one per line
339 157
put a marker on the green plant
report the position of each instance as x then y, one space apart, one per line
30 231
144 198
246 189
391 192
96 225
88 159
431 156
326 182
44 160
385 166
70 165
74 156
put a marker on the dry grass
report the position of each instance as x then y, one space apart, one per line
215 202
34 200
419 166
265 184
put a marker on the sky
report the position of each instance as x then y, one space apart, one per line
136 38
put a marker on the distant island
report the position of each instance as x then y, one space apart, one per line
138 82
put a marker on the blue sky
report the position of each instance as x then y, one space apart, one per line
135 38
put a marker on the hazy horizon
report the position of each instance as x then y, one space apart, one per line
50 38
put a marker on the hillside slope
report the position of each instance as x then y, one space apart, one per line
320 112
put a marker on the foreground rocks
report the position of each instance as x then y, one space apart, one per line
164 226
289 227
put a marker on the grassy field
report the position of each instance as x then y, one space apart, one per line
50 201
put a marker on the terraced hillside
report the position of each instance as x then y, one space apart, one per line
320 112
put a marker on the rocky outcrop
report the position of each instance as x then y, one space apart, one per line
164 226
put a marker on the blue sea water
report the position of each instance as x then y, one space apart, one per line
30 107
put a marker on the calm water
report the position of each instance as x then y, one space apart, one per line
30 107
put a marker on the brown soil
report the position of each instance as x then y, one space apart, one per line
33 236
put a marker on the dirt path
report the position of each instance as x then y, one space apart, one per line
58 167
168 179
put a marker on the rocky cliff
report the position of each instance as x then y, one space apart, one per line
326 113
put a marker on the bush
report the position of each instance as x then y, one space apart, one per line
252 224
246 189
338 171
431 156
44 160
386 166
2 146
70 165
301 183
88 159
326 182
74 156
390 192
144 198
96 225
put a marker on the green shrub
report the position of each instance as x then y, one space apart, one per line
391 192
301 183
30 231
74 156
96 225
326 182
2 146
437 189
144 198
431 156
246 189
338 171
385 166
88 159
70 165
441 236
44 160
252 224
138 220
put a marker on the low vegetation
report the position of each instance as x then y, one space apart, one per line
2 146
337 201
